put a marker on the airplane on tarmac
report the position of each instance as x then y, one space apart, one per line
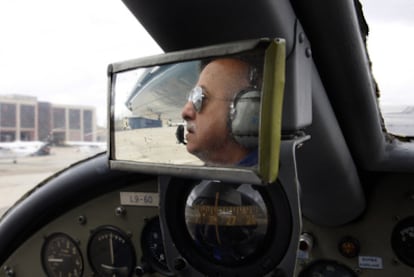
332 194
18 149
87 146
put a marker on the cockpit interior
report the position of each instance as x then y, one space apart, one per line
332 194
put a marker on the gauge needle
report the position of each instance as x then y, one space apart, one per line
111 249
55 260
216 202
115 270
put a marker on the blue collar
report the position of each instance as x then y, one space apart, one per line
250 160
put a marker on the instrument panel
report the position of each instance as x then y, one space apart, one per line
102 237
379 243
120 234
130 232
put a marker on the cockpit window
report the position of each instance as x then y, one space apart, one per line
390 44
53 93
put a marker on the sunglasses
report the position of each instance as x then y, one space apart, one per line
197 95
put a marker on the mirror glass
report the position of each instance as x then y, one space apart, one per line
197 110
148 104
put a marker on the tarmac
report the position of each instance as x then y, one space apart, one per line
18 178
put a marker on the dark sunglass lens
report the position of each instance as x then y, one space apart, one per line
196 97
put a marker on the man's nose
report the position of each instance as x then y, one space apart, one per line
188 112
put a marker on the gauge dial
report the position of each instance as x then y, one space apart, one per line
153 247
402 240
225 229
61 256
228 223
111 253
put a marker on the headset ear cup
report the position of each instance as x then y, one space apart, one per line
245 117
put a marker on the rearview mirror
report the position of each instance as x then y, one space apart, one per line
212 113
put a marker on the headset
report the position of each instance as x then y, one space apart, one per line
244 117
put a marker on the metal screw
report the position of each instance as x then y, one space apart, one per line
179 264
395 261
82 220
301 37
308 52
8 271
358 270
120 211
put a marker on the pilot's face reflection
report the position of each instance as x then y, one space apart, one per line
208 134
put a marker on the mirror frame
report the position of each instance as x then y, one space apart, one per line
270 115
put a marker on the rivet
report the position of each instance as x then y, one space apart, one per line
308 52
82 220
301 37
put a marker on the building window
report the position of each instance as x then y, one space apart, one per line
27 116
59 118
88 125
7 115
74 119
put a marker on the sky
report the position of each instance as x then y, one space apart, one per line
59 50
390 46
